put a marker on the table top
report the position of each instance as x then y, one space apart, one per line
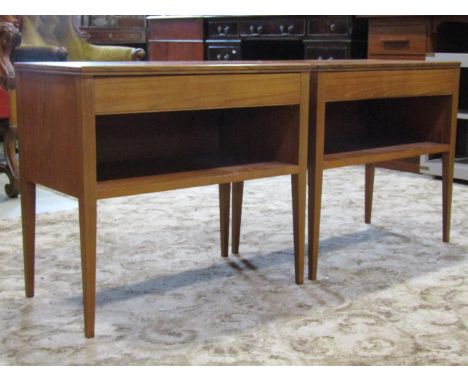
114 68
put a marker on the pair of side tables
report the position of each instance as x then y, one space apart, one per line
102 130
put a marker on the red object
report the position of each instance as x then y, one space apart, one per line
4 104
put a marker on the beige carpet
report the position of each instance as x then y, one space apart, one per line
388 293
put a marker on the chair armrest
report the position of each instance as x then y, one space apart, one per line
138 54
40 53
93 52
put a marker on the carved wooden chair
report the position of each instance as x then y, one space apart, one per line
43 38
9 39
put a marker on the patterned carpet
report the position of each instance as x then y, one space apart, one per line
390 293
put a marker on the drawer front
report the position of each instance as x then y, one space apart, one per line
277 27
192 92
223 52
397 39
327 52
223 29
355 85
329 27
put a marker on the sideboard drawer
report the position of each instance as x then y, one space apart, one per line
282 26
397 39
223 52
329 26
222 29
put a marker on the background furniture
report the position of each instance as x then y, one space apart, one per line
179 125
256 37
412 37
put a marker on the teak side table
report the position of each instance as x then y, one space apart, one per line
101 130
370 111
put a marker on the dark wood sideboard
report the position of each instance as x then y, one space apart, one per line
230 38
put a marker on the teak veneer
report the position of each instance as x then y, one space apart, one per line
370 111
100 130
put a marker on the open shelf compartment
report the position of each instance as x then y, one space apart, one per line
377 130
160 151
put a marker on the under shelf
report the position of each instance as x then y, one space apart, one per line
381 154
192 178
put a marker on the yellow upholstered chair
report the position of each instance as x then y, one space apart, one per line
41 32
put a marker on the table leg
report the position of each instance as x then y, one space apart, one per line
369 191
298 187
447 185
87 211
28 217
224 204
315 179
237 195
